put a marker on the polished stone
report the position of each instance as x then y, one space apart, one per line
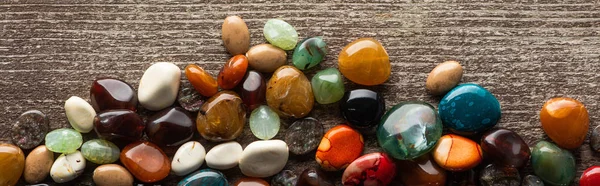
189 99
421 171
328 86
235 35
12 163
38 164
264 158
232 72
201 80
444 77
340 146
281 34
565 121
506 148
284 178
365 61
204 177
100 151
112 175
469 108
532 180
63 140
222 117
493 175
119 126
264 122
251 182
109 93
170 127
266 58
313 177
304 135
309 53
456 153
374 169
362 108
188 158
159 85
80 114
67 167
552 164
253 90
590 177
224 156
146 161
289 93
30 129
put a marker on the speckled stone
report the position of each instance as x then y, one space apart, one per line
284 178
595 139
469 108
493 175
189 98
304 135
29 129
532 180
63 140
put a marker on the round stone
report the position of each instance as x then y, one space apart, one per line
189 98
159 86
493 175
309 53
38 164
365 61
289 93
456 153
263 158
469 109
375 169
222 117
29 129
362 108
328 86
304 135
235 35
340 146
280 34
67 167
444 77
146 161
284 178
204 177
595 139
266 58
100 151
80 114
224 156
565 121
63 140
188 158
506 148
532 180
590 176
264 122
552 164
109 94
112 175
12 163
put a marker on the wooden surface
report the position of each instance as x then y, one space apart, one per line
524 52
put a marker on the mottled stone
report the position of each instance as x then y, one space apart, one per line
565 121
222 117
204 177
67 167
170 127
532 180
289 93
63 140
552 164
469 109
280 34
374 169
365 61
12 163
339 147
284 178
493 175
328 86
235 35
189 98
505 148
309 53
38 164
444 77
29 129
112 175
100 151
304 135
109 93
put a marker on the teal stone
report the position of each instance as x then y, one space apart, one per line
409 130
63 140
552 164
100 151
264 122
469 109
309 53
280 34
204 177
328 86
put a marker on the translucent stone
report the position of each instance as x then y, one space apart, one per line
309 53
304 135
328 86
170 127
281 34
63 140
12 163
108 93
552 164
189 98
493 175
29 129
253 89
100 151
264 122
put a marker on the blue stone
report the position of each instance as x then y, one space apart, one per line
469 109
204 177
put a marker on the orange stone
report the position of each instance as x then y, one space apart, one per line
145 161
365 61
12 163
251 182
201 80
339 147
565 121
233 72
456 153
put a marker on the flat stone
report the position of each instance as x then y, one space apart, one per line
112 175
189 98
280 34
100 151
12 163
304 135
159 85
188 158
224 156
284 178
63 140
67 167
80 114
264 122
263 158
204 177
235 35
38 164
29 130
444 77
309 53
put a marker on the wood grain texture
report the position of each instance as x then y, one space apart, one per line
524 51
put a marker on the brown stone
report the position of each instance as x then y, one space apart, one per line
38 164
266 58
112 175
444 77
289 93
222 117
235 35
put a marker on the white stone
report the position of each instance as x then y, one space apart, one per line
67 167
80 114
264 158
188 158
224 156
159 85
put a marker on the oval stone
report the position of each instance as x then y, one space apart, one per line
63 140
590 176
67 167
375 169
362 108
224 156
109 93
313 177
251 182
595 139
29 129
469 108
506 148
340 146
532 180
158 86
80 114
444 77
309 53
289 93
284 178
365 61
233 72
204 177
456 153
112 175
280 34
409 130
145 161
202 81
189 98
100 151
421 171
565 121
235 35
264 122
304 135
222 117
119 126
266 58
12 163
170 127
494 175
188 158
253 90
552 164
263 158
328 86
38 164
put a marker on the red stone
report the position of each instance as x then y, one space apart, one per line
590 177
145 161
170 127
119 126
375 169
233 72
252 90
108 93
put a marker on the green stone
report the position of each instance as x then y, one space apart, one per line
63 140
328 86
309 53
280 34
100 151
552 164
264 122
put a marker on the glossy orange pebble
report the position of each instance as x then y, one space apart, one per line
565 121
365 61
233 72
251 182
12 163
201 80
456 153
339 147
145 161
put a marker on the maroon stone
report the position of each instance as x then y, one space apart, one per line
505 148
252 90
170 127
313 177
119 126
108 94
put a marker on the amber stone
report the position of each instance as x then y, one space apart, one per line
233 72
289 93
170 127
251 182
119 126
506 148
456 153
145 161
253 90
365 61
222 117
421 171
108 93
202 81
12 163
565 121
313 177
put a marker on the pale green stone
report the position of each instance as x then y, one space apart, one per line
264 122
63 140
100 151
280 34
328 86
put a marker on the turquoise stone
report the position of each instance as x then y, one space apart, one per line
100 151
552 164
469 109
328 86
409 130
63 140
204 177
280 34
264 122
309 53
